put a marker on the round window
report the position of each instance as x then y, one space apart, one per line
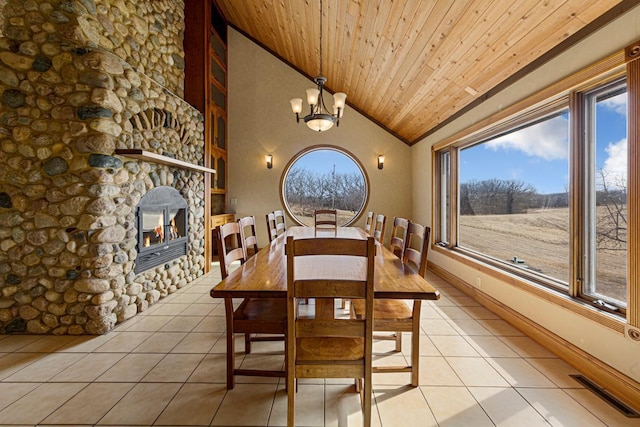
324 177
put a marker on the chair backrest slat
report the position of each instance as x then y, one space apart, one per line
281 223
398 236
276 224
271 226
248 235
378 228
368 225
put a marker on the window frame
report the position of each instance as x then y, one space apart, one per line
585 183
340 150
569 92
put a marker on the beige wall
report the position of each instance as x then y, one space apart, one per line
261 122
605 344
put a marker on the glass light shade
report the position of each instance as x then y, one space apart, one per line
335 112
320 125
296 105
339 99
312 96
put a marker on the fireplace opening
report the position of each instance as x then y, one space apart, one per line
162 222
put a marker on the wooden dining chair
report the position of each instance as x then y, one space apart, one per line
323 346
271 226
248 235
253 315
325 218
368 225
395 315
378 228
398 236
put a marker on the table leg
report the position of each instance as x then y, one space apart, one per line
231 351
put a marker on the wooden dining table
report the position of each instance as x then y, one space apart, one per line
264 275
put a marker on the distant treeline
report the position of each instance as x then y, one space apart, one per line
498 197
332 190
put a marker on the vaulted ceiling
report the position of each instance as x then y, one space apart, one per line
412 65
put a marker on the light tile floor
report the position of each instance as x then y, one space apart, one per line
166 367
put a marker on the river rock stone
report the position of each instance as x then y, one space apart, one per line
5 201
104 161
55 166
13 98
91 286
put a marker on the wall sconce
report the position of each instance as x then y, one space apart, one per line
380 161
269 159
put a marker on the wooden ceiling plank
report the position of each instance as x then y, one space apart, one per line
343 61
444 59
392 77
462 56
348 75
452 15
368 40
377 43
396 31
299 33
344 24
353 18
416 49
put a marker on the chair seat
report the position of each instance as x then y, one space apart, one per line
329 348
262 315
384 309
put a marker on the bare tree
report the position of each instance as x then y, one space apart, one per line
495 196
611 207
306 191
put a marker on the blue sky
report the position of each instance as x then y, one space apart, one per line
538 155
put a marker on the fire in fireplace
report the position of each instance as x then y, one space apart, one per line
162 224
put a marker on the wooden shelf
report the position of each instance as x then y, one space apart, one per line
148 156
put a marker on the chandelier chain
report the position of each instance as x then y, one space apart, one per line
320 118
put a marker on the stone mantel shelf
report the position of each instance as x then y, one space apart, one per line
148 156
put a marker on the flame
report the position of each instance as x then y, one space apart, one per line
147 241
159 230
173 230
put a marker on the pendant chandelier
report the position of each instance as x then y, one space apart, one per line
320 118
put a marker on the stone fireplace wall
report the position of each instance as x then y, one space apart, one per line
78 80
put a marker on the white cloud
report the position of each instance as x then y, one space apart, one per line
614 170
548 140
617 103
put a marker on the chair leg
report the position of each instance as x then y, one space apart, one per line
292 386
247 343
398 341
366 399
290 373
415 344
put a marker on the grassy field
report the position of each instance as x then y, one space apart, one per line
540 239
